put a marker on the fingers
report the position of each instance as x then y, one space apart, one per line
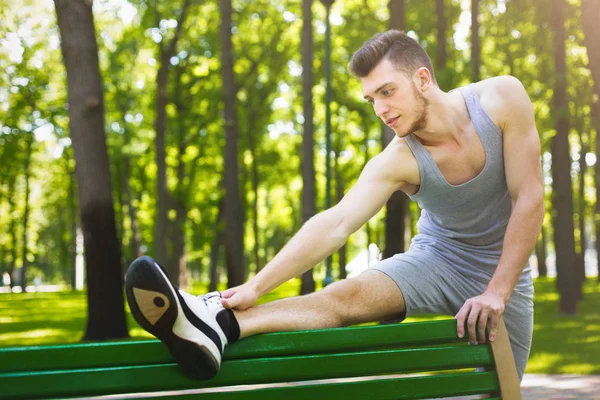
482 323
472 323
493 326
226 303
479 319
237 301
227 293
461 318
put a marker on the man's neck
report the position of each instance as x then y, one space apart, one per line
448 118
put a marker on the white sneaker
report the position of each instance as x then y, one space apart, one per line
193 328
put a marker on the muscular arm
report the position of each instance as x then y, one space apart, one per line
524 180
327 231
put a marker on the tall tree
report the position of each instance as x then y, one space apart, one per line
397 205
163 198
581 203
564 240
309 194
27 169
540 252
475 46
590 15
234 223
106 311
442 55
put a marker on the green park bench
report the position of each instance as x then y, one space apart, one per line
397 361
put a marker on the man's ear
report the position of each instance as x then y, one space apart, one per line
424 78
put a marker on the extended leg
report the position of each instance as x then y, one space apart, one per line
197 329
372 296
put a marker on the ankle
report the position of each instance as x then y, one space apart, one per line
228 322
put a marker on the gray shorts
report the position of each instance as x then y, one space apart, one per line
431 285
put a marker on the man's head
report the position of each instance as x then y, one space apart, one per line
402 51
395 70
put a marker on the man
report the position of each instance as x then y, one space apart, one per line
469 157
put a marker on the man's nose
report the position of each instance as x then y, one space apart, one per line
380 108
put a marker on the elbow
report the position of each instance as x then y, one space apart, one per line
539 205
536 207
339 227
531 205
332 224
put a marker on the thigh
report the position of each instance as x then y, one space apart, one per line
371 296
423 280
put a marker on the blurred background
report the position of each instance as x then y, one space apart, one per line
204 133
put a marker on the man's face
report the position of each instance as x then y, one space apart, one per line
396 99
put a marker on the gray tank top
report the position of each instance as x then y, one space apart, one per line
465 223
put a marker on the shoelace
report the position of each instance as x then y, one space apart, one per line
212 298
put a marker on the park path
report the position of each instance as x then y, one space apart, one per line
563 387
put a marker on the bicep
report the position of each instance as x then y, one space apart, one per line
522 149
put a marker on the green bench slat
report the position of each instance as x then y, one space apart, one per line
236 372
395 388
268 345
88 355
344 339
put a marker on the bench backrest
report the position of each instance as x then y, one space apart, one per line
402 361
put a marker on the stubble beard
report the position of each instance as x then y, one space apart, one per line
422 114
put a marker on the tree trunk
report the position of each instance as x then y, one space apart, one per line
309 194
397 205
136 234
540 252
339 194
596 121
581 210
24 248
163 199
252 142
13 232
397 14
178 237
73 244
215 249
442 57
177 258
564 240
106 310
162 192
234 223
475 47
590 15
118 178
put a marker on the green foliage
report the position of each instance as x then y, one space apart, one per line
516 39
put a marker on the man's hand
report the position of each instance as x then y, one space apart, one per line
239 297
477 312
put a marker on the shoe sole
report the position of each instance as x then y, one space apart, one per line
195 359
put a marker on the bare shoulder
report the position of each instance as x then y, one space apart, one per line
397 163
503 98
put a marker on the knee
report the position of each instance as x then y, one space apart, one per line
338 299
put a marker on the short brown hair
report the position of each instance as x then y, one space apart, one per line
404 53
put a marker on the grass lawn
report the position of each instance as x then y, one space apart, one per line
561 344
